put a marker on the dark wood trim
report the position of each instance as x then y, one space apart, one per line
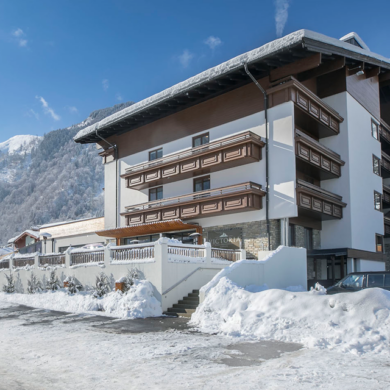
323 69
355 69
296 67
383 77
386 194
375 71
306 222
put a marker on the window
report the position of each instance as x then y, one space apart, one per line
379 243
155 154
155 194
141 239
292 235
202 184
376 162
308 238
387 280
375 280
200 140
374 129
377 201
353 281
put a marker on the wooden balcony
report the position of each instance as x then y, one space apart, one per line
317 203
386 196
384 132
385 165
387 226
225 200
316 160
311 113
240 149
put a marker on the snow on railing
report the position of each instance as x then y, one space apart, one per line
19 262
187 251
86 256
132 252
4 264
226 254
52 259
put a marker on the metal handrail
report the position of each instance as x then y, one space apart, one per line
189 153
194 196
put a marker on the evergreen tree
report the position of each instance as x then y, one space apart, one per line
102 286
53 283
33 285
74 286
10 286
131 276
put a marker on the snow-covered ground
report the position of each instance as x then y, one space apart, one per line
357 323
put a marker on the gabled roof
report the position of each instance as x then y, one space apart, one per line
30 233
227 76
356 37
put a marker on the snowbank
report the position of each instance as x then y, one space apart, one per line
358 322
139 302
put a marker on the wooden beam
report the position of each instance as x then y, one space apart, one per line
355 69
384 77
325 68
296 67
372 72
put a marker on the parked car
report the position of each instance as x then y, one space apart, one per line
361 280
97 245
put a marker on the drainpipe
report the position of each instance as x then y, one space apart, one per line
116 174
266 152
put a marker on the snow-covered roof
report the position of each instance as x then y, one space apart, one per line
48 225
30 233
293 39
353 35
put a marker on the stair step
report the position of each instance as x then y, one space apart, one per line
184 306
193 295
171 314
179 311
185 301
195 291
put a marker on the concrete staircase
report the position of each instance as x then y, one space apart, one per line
185 307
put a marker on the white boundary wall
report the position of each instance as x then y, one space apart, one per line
172 275
284 267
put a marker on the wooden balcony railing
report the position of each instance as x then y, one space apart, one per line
320 162
386 194
384 131
318 117
319 201
225 200
385 164
240 149
387 225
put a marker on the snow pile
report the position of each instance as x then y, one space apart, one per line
138 302
358 322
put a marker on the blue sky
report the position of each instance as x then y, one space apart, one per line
60 59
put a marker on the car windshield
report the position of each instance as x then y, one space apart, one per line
354 281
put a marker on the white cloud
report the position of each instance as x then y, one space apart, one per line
119 97
47 109
32 113
105 84
18 32
19 35
185 58
281 15
73 109
212 42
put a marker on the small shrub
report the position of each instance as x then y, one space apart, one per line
53 283
74 286
10 286
129 279
34 285
102 285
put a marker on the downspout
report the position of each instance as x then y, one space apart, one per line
116 174
266 152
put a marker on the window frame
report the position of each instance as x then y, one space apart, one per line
156 190
153 151
201 137
373 122
379 165
381 243
202 178
380 201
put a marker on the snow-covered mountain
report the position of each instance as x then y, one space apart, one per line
20 144
50 178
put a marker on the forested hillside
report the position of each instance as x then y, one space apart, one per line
54 180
